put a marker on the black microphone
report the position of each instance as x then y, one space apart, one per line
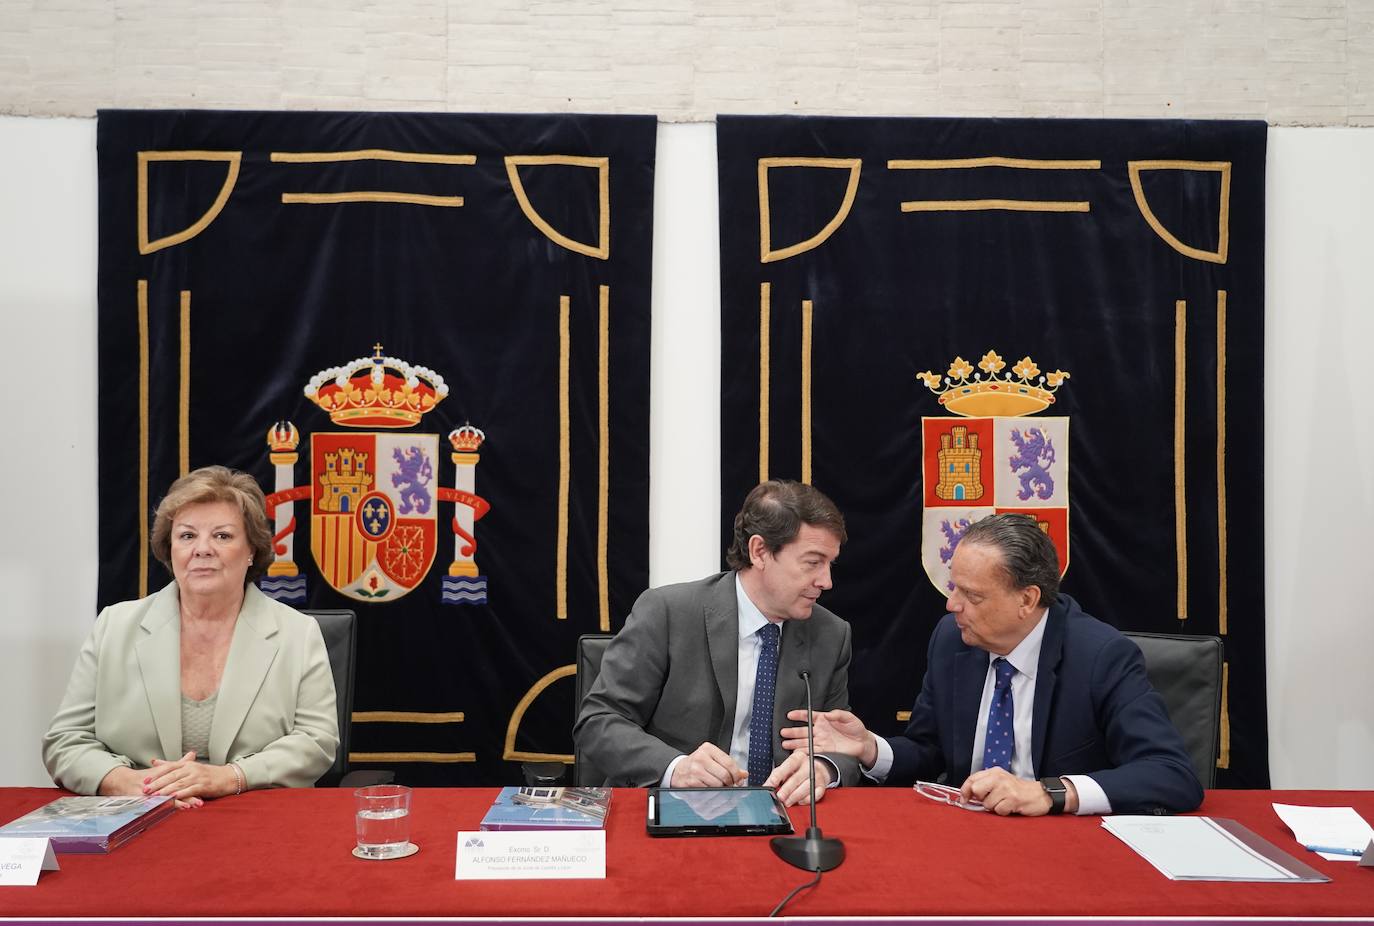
812 852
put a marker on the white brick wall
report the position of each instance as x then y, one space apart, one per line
1287 61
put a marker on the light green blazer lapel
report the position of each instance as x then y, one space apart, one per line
251 653
159 662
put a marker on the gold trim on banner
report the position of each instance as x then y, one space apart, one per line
1180 434
807 316
408 717
564 458
369 154
1224 750
511 753
766 253
442 758
992 161
184 390
1135 168
232 158
143 438
369 196
765 325
602 249
983 205
603 461
1222 591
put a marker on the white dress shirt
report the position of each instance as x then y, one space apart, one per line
1025 658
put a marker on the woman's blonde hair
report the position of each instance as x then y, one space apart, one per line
217 484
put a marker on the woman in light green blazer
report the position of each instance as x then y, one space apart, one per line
208 687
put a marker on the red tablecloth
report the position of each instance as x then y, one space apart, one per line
287 853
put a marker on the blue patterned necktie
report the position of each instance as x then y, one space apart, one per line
1001 735
761 716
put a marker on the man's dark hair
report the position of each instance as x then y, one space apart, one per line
1028 554
776 510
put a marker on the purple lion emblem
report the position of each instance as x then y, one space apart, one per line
414 474
1034 454
953 534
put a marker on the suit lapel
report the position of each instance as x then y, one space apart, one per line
722 640
1046 676
159 663
970 674
251 653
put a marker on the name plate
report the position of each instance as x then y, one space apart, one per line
22 858
528 854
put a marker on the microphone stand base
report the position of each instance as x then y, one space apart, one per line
812 852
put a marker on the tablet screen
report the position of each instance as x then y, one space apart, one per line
715 811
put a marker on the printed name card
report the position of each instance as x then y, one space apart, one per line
22 858
526 854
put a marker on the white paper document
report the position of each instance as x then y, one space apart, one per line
1328 827
1203 849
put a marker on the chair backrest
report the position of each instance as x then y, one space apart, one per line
340 630
1186 671
590 648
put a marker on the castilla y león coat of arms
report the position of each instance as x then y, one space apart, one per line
993 458
374 495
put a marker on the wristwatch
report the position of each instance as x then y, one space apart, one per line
1056 789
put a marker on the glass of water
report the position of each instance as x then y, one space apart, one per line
383 821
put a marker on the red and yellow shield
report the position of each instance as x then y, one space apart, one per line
374 498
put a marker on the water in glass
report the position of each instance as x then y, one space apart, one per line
383 820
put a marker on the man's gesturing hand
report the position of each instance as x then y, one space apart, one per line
837 731
708 767
792 782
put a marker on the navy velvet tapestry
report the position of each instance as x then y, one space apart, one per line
427 337
935 319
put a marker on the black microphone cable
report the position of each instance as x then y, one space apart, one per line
795 891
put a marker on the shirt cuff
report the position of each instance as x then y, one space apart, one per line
881 765
1092 800
667 781
834 772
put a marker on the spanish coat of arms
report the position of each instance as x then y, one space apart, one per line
373 496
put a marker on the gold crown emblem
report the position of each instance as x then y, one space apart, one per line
376 392
466 439
283 437
1023 391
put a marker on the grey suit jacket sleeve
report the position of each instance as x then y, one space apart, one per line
618 728
837 696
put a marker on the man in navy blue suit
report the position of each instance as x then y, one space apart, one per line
1035 706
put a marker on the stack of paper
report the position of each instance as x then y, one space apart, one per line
1207 849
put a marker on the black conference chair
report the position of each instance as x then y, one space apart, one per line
590 648
340 631
1186 670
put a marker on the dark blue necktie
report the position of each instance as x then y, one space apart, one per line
1001 736
761 716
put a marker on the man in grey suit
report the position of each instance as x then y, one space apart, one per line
682 698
